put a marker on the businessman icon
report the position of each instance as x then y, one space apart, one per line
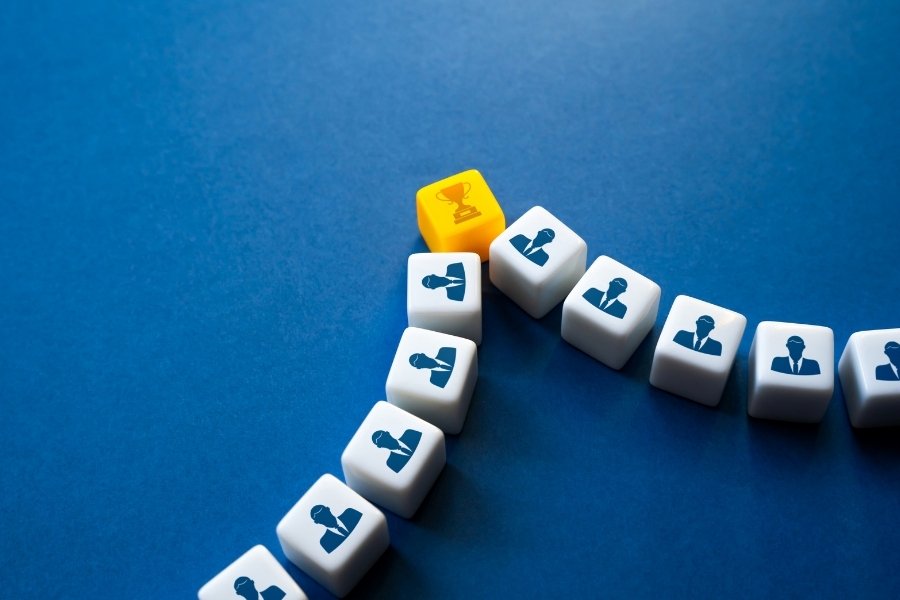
891 370
608 301
402 449
441 366
795 363
337 529
533 250
454 282
699 340
246 588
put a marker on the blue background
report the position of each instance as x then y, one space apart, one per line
206 213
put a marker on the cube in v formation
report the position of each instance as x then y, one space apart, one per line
537 261
256 574
791 372
696 350
443 293
394 458
610 311
333 534
459 214
433 376
869 370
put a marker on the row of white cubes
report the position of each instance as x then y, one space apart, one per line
609 309
334 533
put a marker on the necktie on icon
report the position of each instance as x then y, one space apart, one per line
796 367
698 344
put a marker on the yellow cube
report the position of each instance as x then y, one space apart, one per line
459 214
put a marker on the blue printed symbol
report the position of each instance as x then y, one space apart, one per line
454 282
699 340
337 529
401 449
245 588
608 301
441 366
533 250
891 370
794 363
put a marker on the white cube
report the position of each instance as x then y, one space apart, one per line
333 534
394 458
443 293
791 372
609 311
433 376
255 574
696 350
537 261
870 377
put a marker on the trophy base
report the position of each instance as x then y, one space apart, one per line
463 215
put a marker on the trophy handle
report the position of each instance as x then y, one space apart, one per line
440 196
467 187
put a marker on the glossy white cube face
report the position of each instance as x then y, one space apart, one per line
609 311
870 377
791 372
394 458
537 261
696 350
256 572
333 534
433 376
443 293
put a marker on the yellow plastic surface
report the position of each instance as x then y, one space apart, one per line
459 214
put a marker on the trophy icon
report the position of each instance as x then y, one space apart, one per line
456 194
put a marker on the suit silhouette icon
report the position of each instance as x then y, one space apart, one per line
337 529
699 340
454 282
794 363
441 366
608 301
891 370
246 588
533 250
402 449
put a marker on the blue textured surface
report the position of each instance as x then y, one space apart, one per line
205 214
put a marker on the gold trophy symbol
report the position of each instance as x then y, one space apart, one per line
456 194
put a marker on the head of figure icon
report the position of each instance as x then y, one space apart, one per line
321 515
422 361
616 287
795 347
892 349
705 324
244 587
544 236
383 439
433 282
